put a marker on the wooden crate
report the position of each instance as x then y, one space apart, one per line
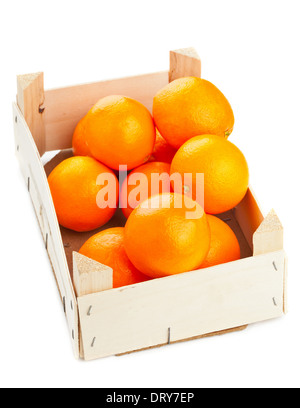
103 321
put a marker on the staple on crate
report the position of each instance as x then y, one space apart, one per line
64 304
46 241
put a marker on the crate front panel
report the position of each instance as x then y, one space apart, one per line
183 306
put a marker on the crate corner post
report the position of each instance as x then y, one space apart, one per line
90 276
184 62
268 238
269 235
30 100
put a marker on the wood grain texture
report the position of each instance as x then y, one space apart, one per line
190 305
66 106
184 62
269 235
30 99
90 276
218 333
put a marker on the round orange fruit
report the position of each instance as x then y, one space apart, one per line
79 144
189 107
224 246
166 235
120 131
225 169
143 182
84 192
162 151
107 247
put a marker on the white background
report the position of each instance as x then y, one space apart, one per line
250 50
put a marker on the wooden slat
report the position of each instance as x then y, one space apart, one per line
184 62
157 312
38 188
30 99
65 107
219 333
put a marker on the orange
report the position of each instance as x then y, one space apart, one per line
189 107
141 184
120 131
225 169
80 196
167 235
224 246
107 247
79 144
162 151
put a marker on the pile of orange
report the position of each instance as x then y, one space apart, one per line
174 156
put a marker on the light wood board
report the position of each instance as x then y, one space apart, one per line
184 62
65 107
38 188
183 306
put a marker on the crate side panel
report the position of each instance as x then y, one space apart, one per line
65 107
183 306
38 188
